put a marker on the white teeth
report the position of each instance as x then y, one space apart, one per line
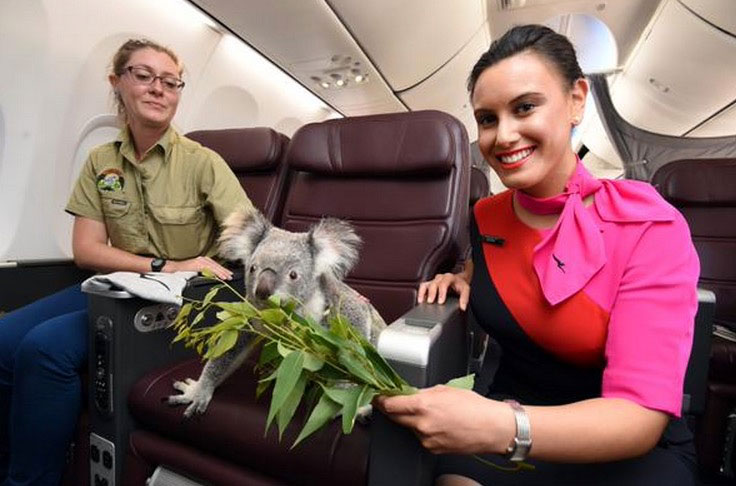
516 157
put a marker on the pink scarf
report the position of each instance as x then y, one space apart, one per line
573 251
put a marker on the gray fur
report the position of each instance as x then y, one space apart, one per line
308 267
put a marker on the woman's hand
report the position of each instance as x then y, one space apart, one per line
197 265
451 420
438 286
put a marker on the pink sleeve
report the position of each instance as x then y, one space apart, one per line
651 323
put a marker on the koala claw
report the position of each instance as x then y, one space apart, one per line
192 393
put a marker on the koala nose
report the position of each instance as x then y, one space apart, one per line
266 284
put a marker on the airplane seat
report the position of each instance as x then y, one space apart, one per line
480 187
402 180
703 190
255 155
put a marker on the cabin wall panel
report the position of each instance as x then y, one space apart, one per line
56 103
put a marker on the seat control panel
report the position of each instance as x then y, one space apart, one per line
102 373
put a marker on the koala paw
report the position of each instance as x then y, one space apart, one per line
193 394
364 415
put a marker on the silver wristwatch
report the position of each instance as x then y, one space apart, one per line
519 448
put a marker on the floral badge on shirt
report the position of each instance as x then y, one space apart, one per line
110 180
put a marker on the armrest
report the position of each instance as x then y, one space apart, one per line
693 399
128 337
426 346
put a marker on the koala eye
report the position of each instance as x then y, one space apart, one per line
293 275
252 268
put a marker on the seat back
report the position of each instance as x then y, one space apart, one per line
256 156
705 192
401 179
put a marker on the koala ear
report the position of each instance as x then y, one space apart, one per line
241 233
335 246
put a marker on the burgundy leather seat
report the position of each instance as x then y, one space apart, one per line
705 192
256 156
402 180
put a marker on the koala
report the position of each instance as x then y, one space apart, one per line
308 267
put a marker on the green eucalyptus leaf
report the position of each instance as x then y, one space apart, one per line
290 404
244 309
383 368
313 363
211 294
340 392
287 375
207 273
283 350
269 352
197 318
465 382
224 344
323 412
356 366
273 316
358 398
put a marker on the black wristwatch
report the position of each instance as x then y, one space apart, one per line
158 264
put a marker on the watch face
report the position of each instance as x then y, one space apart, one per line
157 264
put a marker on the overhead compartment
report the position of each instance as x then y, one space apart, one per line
720 125
680 74
721 13
446 89
411 39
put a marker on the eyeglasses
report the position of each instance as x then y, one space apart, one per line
143 76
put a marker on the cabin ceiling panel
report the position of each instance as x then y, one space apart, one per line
681 75
718 12
721 125
446 89
307 40
410 39
626 19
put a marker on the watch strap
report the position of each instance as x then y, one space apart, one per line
520 446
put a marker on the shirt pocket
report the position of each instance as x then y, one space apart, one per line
122 229
180 230
113 208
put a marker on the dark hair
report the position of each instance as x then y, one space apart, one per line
122 56
554 47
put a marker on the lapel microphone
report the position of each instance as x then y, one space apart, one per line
493 240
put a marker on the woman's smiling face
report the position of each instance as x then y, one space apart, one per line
525 113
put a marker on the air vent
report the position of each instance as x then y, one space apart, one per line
517 4
510 4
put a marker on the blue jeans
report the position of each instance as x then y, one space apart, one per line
43 346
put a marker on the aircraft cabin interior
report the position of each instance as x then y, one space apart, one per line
356 110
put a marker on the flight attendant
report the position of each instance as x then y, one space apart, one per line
589 287
152 200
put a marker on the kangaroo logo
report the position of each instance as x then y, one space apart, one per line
560 263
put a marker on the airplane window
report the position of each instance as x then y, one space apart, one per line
594 42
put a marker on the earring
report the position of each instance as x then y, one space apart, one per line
576 121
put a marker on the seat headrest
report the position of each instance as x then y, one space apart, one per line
424 142
480 187
244 149
702 182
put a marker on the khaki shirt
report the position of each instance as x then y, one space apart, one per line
170 204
